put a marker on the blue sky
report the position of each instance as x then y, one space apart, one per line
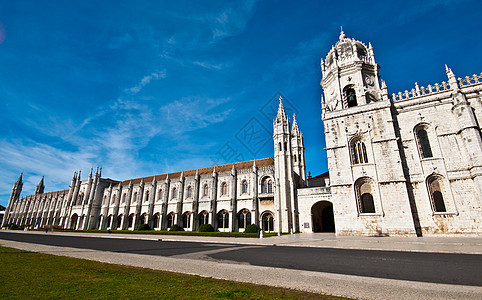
149 87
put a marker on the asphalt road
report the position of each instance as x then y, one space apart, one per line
462 269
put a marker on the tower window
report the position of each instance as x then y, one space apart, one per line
424 143
359 153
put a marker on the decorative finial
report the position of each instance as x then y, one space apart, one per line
342 34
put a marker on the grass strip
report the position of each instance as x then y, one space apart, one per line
31 275
185 233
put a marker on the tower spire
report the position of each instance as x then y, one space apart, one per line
40 187
295 127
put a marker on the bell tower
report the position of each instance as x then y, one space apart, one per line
350 75
366 175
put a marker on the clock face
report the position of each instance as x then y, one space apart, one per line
369 80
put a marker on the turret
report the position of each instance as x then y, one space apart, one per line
40 187
14 197
298 151
284 191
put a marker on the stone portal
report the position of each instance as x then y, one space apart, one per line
322 217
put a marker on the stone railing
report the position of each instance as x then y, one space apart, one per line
436 88
421 91
470 80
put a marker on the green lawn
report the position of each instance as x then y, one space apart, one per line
189 233
30 275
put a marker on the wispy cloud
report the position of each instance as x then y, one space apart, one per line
146 80
207 65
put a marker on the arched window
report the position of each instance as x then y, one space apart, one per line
435 185
359 152
130 221
160 195
144 218
267 185
124 198
147 197
186 220
174 193
268 222
244 218
104 202
113 198
205 190
224 189
364 190
223 219
134 199
170 220
423 142
119 221
350 95
294 156
189 192
155 220
279 146
244 187
367 203
203 217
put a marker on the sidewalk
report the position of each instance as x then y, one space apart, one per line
439 244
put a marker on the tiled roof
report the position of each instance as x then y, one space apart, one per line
49 194
209 170
324 175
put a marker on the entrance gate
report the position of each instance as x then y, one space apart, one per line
322 217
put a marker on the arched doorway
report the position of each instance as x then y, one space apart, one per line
322 217
73 221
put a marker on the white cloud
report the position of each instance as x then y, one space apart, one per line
207 65
146 80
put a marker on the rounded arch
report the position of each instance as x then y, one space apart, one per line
130 221
266 183
189 192
223 219
267 221
244 186
365 194
203 217
108 223
206 190
119 221
73 221
144 218
322 217
171 217
224 188
421 135
186 219
244 218
358 149
155 220
437 192
349 95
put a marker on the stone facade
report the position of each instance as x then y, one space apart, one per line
405 164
